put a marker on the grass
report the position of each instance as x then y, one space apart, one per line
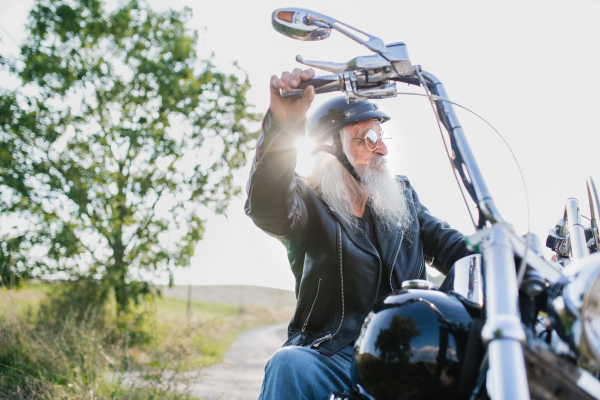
211 327
176 309
154 353
24 302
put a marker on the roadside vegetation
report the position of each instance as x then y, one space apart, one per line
155 352
116 142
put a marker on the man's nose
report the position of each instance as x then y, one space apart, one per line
381 148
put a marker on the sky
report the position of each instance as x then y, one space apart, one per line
528 67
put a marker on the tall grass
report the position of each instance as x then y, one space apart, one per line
155 353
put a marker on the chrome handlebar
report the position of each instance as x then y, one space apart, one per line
368 77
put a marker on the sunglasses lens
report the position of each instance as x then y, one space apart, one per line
371 139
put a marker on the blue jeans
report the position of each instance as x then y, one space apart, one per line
295 372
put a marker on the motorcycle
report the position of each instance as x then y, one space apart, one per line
508 323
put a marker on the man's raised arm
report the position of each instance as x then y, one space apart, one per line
273 203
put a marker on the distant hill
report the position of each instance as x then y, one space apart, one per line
244 294
234 294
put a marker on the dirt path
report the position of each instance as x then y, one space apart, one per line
240 375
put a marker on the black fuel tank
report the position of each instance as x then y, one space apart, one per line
412 346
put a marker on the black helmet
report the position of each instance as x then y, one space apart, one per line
335 114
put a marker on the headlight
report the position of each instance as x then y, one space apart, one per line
578 309
591 318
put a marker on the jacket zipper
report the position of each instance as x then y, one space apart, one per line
395 258
378 281
330 336
420 268
312 306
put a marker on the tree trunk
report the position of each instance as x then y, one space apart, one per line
118 278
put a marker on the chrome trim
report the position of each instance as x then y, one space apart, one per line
576 231
594 209
298 29
507 376
468 281
506 360
373 43
503 327
419 284
338 68
550 270
311 25
589 383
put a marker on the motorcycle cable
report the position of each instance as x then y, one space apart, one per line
432 98
448 154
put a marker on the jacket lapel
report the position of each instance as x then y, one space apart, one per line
358 238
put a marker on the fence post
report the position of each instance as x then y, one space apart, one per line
189 304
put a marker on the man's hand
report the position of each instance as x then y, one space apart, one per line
290 112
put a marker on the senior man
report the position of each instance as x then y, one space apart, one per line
352 231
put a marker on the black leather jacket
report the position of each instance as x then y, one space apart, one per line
337 269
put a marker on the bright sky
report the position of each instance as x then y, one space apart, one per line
528 67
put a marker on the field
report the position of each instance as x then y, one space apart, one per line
156 353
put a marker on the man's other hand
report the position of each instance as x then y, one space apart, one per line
290 112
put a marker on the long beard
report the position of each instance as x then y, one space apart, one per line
384 194
334 184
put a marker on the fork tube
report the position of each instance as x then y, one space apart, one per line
507 378
576 232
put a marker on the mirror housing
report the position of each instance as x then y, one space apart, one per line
291 22
302 24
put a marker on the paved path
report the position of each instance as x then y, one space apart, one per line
240 375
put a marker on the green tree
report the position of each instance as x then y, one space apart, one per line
116 139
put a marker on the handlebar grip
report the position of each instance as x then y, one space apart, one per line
322 84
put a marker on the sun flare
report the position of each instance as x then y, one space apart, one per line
305 160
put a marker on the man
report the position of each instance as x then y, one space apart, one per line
353 232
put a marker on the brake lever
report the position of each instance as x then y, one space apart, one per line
324 65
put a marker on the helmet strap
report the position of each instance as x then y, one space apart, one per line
337 149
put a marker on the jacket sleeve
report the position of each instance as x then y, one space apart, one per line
442 245
274 192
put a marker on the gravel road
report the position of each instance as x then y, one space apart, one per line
240 375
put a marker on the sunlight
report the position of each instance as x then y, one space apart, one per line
305 160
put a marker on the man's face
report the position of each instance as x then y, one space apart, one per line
360 152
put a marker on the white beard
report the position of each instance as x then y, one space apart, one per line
385 195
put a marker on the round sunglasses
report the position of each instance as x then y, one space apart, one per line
372 138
